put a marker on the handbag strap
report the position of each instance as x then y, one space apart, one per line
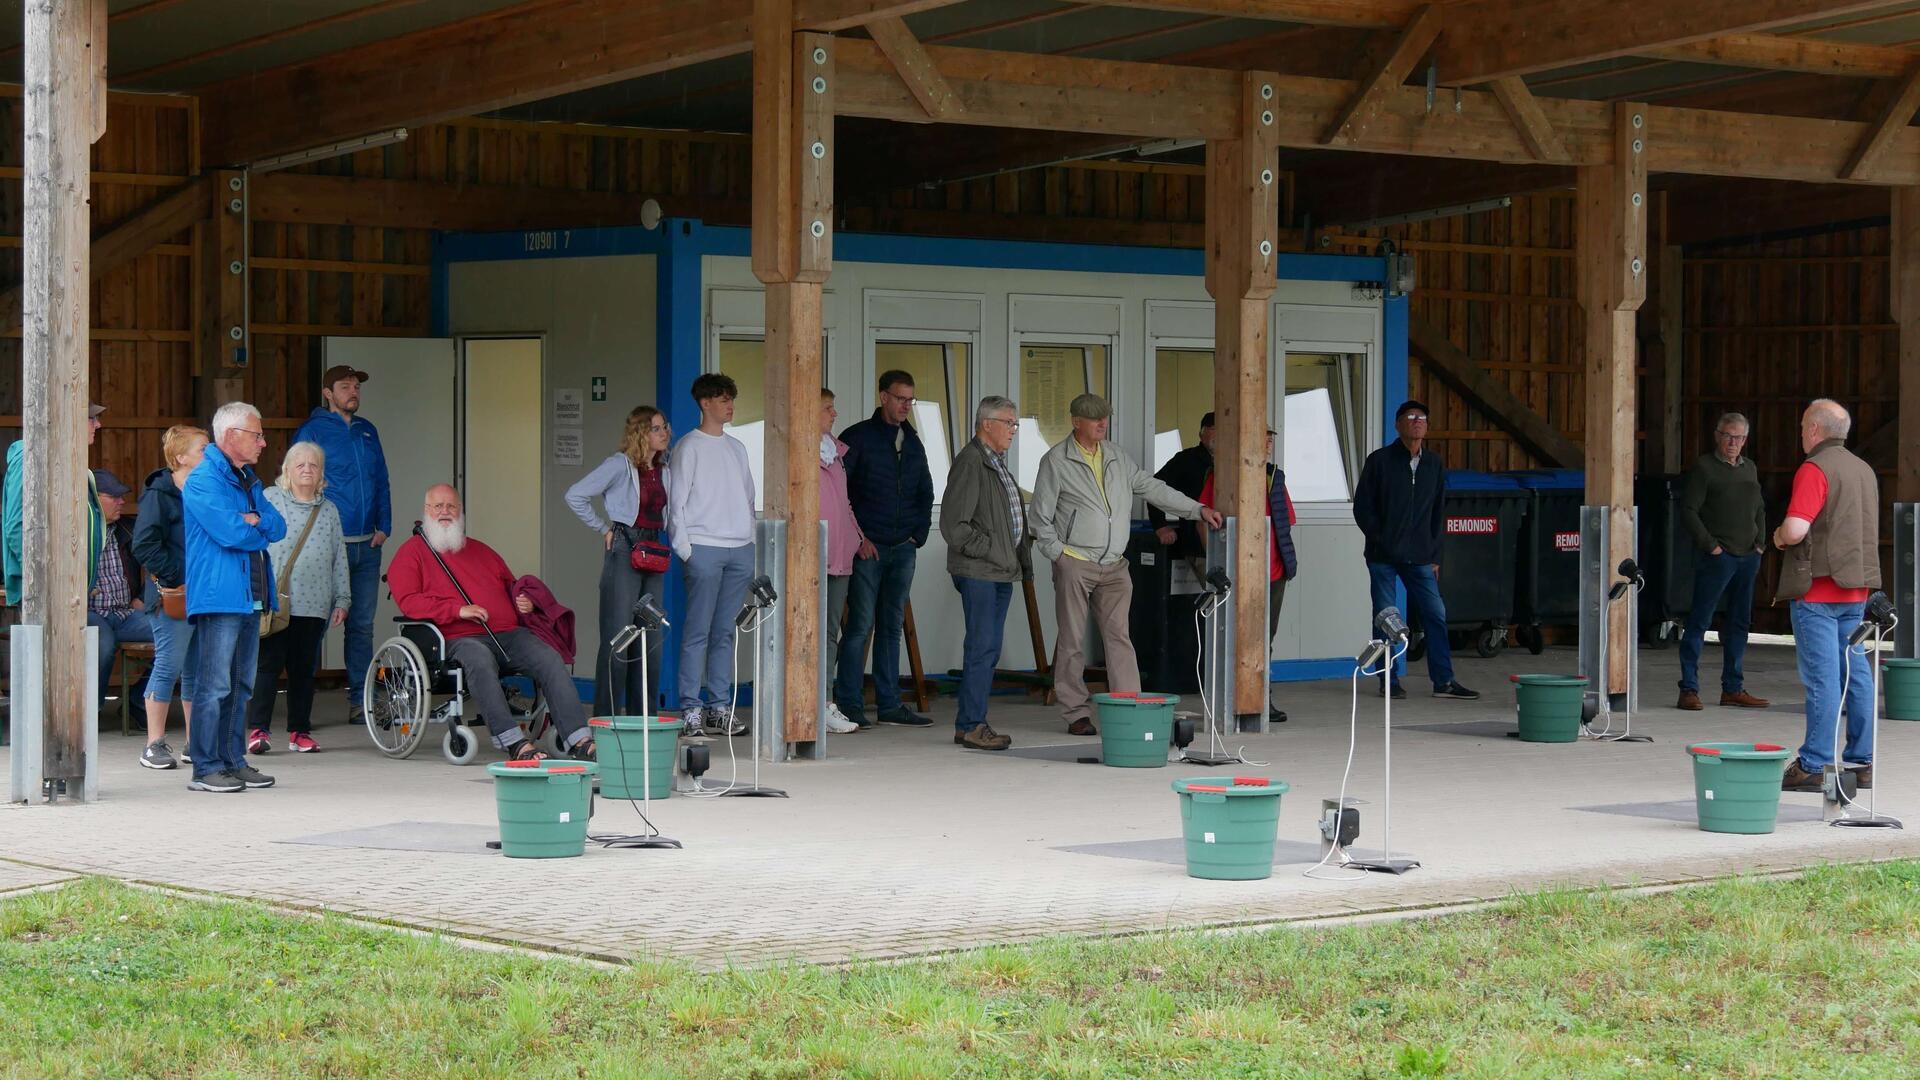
286 572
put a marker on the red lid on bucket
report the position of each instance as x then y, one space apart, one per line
528 763
552 769
1214 788
1153 701
1513 678
1768 746
1710 751
600 721
1250 781
1124 694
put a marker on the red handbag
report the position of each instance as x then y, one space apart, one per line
649 556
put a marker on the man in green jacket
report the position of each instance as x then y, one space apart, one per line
13 509
1082 515
1723 510
989 547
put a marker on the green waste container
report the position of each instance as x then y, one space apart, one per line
1736 785
543 807
1229 823
1135 729
623 746
1548 706
1902 679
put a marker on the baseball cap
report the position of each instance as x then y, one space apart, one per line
341 371
1207 420
109 484
1410 406
94 411
1090 407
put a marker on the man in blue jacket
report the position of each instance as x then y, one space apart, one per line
1400 506
229 524
357 484
891 489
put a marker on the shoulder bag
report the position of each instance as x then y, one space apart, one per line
272 622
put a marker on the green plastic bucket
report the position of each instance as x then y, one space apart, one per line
1736 785
543 807
1229 823
1548 706
1135 729
1902 679
623 745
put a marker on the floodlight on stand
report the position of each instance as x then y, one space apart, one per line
1631 581
644 618
1837 784
1339 820
330 150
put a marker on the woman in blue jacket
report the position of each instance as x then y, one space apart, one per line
160 545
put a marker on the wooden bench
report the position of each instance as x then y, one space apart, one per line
128 657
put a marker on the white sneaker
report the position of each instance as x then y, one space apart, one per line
690 722
837 721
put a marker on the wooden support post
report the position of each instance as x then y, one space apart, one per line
1612 239
222 361
59 124
792 248
1242 211
97 64
1906 313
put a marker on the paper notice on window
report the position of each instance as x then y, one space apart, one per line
569 408
568 446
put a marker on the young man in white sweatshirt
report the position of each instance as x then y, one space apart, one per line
710 521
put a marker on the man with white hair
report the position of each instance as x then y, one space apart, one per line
229 524
423 591
1830 543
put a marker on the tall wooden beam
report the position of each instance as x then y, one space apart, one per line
1243 211
59 126
916 68
1488 39
1893 119
1905 289
1612 240
1530 120
1491 396
220 358
1388 72
792 248
1672 280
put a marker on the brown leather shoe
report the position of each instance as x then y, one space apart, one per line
1799 779
1690 701
1740 699
1863 777
1082 726
982 737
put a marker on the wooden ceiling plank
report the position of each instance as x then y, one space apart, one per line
267 38
1894 119
1387 75
1530 120
1777 52
1366 14
915 67
1488 39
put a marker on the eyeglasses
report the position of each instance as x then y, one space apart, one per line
907 400
255 432
1010 421
1731 437
435 508
1414 418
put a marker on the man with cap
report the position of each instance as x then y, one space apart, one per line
1186 472
12 508
1400 506
114 604
1082 514
357 484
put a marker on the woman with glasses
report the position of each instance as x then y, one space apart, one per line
631 485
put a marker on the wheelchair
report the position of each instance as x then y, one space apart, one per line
409 669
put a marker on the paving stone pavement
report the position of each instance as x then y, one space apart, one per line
901 844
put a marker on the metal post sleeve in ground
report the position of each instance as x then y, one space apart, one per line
770 644
1906 592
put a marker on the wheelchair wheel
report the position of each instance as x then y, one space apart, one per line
398 698
459 745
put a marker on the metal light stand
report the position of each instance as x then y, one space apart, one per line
650 839
1830 781
755 732
1628 590
1597 587
1217 681
1386 863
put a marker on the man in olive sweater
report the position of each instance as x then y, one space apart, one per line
1722 508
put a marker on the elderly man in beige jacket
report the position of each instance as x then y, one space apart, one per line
1082 514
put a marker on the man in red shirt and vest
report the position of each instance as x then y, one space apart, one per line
1831 546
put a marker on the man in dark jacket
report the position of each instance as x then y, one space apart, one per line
989 547
1400 506
891 489
1725 512
1185 472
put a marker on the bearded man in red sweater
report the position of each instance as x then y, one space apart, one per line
421 591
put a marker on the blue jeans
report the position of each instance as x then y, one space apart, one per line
716 581
1819 640
127 625
1425 610
363 575
223 685
876 603
174 654
1713 575
985 606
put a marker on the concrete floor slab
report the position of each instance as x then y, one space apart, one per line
901 843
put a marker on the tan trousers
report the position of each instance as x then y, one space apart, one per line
1108 590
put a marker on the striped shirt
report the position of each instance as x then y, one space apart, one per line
1018 512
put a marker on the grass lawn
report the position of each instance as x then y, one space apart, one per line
1814 976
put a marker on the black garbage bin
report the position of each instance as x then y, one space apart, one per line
1548 593
1667 556
1161 623
1480 543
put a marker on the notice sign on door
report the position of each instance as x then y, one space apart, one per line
568 407
568 446
1566 541
1473 526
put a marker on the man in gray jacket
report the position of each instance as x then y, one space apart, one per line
989 547
1081 516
